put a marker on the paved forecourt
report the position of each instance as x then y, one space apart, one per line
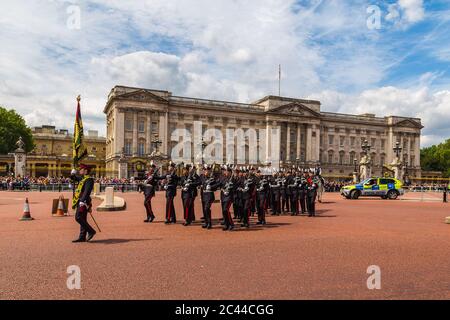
290 258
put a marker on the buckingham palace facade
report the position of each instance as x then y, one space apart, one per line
137 118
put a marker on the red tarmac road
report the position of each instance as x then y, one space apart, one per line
290 258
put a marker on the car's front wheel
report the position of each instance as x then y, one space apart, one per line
355 194
392 194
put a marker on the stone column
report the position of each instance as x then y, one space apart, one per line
317 144
268 140
288 142
308 142
417 150
148 135
299 140
163 129
119 132
135 133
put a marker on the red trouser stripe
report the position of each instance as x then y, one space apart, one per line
186 209
230 220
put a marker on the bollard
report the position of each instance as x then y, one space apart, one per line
40 188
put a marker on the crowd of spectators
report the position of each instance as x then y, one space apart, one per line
334 186
25 183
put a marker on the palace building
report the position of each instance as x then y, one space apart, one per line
138 117
52 155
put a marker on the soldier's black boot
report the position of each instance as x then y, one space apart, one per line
167 222
79 240
90 236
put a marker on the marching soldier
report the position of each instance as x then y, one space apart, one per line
247 192
238 206
149 187
209 185
190 181
311 195
226 198
302 192
82 201
262 196
285 193
171 191
252 174
275 187
293 187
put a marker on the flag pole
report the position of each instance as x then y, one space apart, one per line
279 80
73 158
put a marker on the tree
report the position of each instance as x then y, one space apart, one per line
12 126
436 158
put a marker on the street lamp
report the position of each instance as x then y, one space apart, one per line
397 149
355 162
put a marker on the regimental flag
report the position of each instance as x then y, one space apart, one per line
79 149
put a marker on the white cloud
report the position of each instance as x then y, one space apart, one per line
431 107
413 10
227 50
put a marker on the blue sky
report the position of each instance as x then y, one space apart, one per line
228 50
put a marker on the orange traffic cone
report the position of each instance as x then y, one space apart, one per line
26 211
60 210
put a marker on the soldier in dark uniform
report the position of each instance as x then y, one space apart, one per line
275 187
238 202
262 196
190 181
227 197
252 174
302 192
148 187
82 201
209 185
311 195
294 191
284 192
171 182
247 193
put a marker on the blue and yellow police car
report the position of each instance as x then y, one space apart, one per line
386 188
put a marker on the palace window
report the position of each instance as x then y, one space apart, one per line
352 141
341 158
330 140
352 157
341 141
141 126
141 148
373 142
383 142
155 128
330 156
128 147
128 125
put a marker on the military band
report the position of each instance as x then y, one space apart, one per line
243 192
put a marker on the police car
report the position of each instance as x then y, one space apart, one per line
386 188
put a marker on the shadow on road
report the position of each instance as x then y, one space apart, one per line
117 241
